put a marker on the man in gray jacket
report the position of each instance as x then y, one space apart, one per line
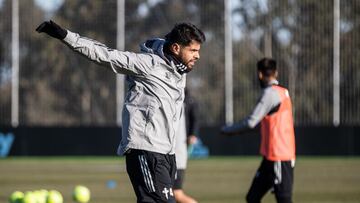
152 108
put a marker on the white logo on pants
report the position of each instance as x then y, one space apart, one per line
167 192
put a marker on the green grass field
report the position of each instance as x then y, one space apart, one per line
213 180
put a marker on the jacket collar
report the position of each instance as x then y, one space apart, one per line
156 46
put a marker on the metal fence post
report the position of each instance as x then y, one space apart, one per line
120 45
15 64
336 107
229 103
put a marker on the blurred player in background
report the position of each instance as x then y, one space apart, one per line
185 136
191 119
153 104
274 111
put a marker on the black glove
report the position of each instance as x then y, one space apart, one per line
52 29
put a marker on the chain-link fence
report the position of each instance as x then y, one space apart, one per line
300 36
57 87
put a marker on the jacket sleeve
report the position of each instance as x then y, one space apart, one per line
119 61
269 100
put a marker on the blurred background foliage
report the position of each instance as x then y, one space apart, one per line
59 88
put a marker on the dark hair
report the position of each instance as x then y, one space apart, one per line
266 66
184 33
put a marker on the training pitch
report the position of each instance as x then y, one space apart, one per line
212 180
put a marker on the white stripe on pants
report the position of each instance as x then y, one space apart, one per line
146 173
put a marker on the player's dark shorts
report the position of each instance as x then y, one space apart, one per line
152 175
179 179
278 176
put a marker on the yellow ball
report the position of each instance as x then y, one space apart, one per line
81 194
16 197
41 196
54 197
29 197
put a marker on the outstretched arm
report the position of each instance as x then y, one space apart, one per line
118 61
268 102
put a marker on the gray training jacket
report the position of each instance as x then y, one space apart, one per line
153 103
